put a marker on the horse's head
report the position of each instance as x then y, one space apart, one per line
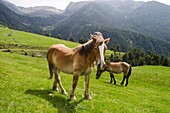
99 48
99 71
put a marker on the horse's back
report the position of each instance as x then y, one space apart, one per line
126 64
60 47
115 67
118 67
125 67
60 50
61 57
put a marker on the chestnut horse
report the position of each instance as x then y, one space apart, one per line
116 67
77 61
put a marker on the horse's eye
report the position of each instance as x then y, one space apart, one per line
100 43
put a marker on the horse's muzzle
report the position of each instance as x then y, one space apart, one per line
102 66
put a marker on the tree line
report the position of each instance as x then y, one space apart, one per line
72 39
137 57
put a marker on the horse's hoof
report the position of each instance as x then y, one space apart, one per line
126 84
64 92
55 88
87 97
72 98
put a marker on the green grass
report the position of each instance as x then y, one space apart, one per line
25 86
29 39
28 43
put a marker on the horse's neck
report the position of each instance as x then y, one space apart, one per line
91 58
87 51
108 68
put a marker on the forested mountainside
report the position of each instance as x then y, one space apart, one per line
143 25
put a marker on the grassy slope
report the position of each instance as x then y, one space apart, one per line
29 39
25 87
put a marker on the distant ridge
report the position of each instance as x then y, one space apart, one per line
32 11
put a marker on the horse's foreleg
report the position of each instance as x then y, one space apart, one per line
75 80
58 80
112 77
86 93
123 80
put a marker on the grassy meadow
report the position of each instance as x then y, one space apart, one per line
25 86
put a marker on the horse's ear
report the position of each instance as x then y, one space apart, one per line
92 37
106 41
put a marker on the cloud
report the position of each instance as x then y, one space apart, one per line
30 3
60 4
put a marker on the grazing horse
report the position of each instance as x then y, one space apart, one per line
116 67
77 61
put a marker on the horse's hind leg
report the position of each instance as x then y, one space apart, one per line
128 75
58 80
127 80
123 80
55 88
50 70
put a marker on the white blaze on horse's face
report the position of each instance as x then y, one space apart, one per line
101 50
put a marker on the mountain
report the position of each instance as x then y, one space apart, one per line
16 21
28 20
149 18
143 25
152 18
41 11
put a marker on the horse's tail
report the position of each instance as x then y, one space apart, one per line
130 71
50 70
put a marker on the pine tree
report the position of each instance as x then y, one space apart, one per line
166 62
71 39
59 36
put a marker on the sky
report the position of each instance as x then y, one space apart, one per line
59 4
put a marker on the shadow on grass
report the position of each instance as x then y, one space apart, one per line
118 85
59 102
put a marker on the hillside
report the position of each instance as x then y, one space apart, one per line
25 43
25 86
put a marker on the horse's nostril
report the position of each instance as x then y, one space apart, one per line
97 77
101 67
